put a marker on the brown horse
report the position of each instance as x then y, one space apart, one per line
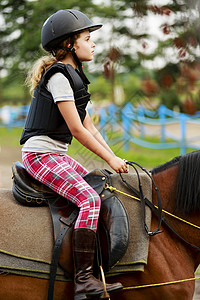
170 259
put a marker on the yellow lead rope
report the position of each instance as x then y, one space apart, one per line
159 284
112 189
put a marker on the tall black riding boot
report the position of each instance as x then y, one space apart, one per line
85 284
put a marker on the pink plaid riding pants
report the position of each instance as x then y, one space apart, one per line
63 174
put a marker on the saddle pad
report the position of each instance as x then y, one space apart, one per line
27 267
14 227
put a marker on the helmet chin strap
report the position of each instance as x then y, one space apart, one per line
79 65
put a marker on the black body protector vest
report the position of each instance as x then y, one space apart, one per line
44 117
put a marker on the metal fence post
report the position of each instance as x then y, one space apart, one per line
183 134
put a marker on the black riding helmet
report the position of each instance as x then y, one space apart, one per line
63 24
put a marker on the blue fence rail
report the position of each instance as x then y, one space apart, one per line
129 124
174 129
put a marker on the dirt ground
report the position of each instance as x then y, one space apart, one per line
10 155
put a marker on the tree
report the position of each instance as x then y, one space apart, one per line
20 33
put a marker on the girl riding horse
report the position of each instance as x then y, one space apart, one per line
57 114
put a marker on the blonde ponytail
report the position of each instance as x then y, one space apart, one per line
39 68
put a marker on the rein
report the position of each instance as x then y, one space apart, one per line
144 200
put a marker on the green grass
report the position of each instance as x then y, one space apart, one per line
10 137
148 158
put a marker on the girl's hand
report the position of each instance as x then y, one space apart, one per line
118 164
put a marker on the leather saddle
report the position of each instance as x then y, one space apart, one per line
113 225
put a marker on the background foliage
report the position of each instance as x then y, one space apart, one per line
148 48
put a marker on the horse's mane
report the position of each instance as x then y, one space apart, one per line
166 165
188 181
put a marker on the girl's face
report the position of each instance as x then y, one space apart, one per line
84 46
